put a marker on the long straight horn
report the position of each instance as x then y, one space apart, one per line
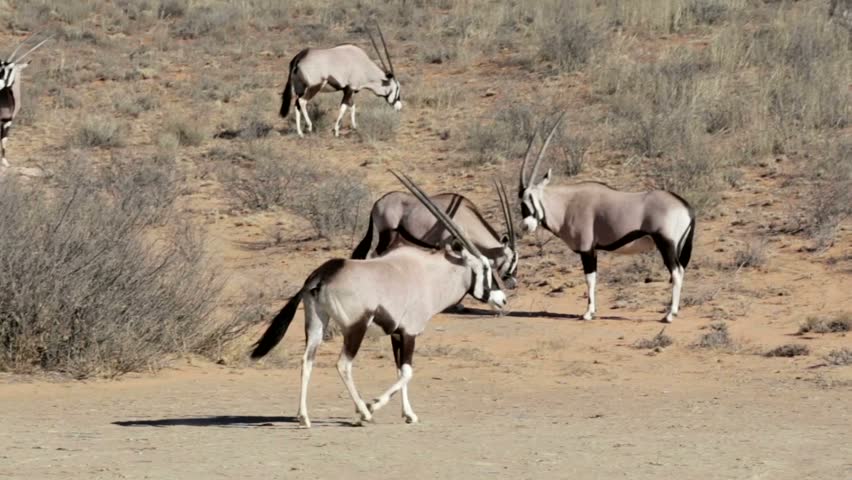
524 181
507 212
544 147
438 213
385 45
39 44
376 48
12 56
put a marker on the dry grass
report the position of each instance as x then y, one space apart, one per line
833 324
788 350
717 338
839 357
660 340
99 131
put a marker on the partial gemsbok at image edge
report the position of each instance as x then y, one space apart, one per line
10 90
399 292
401 214
344 67
591 216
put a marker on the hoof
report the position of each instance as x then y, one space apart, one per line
410 418
666 319
304 422
366 417
588 316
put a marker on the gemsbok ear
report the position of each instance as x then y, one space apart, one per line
505 239
546 179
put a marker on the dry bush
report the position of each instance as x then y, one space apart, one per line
829 200
841 356
99 131
788 350
752 254
377 123
660 340
717 338
670 16
835 324
87 288
503 138
331 201
187 131
136 104
567 38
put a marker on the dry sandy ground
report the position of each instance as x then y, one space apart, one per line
530 395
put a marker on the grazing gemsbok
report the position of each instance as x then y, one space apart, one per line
344 67
591 216
399 292
10 91
400 214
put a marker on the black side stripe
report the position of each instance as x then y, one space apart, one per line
634 235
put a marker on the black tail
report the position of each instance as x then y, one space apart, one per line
686 244
363 248
287 94
273 335
286 97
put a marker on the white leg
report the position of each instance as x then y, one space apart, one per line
304 108
339 117
677 284
344 368
406 372
591 280
299 120
407 412
352 116
5 128
313 334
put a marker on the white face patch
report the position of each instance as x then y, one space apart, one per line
397 105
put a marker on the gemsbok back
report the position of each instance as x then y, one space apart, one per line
591 216
400 214
10 91
344 67
399 292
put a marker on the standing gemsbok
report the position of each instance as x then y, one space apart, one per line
399 292
591 216
10 91
400 214
344 67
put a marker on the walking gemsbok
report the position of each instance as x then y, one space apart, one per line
10 91
344 67
399 292
590 216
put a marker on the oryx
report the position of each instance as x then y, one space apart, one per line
344 67
399 292
400 214
591 216
10 91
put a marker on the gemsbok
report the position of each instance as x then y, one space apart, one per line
400 214
10 91
344 67
399 292
591 216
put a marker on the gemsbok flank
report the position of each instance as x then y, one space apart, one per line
10 91
400 214
591 216
399 292
344 67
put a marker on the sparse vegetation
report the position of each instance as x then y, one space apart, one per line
751 255
187 132
841 356
788 350
99 131
660 340
832 324
717 337
97 297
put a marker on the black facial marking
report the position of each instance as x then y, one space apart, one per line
526 211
